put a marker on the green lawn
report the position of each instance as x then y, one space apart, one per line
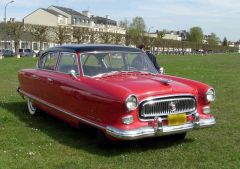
43 142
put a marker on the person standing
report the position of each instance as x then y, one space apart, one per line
151 56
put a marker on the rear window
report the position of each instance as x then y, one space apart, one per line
68 62
20 50
49 61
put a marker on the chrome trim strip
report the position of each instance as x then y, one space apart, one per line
166 112
207 122
98 52
110 51
128 98
144 132
60 109
170 95
163 96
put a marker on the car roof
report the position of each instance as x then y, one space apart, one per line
93 48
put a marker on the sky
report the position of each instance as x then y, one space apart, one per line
219 16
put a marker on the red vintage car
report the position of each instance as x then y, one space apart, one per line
117 90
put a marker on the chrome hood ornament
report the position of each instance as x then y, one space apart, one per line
172 106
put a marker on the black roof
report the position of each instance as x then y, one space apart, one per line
93 48
102 20
70 11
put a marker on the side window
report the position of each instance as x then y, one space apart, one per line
90 60
68 62
49 61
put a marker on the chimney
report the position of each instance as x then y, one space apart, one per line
107 16
86 13
12 20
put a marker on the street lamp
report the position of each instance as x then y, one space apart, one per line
5 11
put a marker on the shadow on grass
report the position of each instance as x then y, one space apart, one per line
85 137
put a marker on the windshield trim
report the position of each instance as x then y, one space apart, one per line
113 51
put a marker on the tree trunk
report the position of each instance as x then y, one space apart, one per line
16 46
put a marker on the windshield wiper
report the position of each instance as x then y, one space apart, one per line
138 71
107 74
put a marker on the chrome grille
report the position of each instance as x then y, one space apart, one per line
165 106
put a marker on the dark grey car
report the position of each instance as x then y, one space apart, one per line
26 52
8 53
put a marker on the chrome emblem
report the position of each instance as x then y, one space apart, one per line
172 106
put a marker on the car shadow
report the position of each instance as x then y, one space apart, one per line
85 137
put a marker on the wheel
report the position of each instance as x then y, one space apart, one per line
33 110
179 136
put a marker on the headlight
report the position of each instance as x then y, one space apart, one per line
131 102
210 95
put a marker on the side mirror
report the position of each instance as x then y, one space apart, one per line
162 71
73 73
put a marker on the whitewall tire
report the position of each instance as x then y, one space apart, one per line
31 108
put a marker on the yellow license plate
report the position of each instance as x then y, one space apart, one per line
177 119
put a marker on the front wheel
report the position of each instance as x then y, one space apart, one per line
33 110
103 140
179 136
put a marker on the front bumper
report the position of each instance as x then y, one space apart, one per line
159 129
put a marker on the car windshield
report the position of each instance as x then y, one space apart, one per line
104 63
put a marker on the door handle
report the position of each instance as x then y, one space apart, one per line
50 80
34 76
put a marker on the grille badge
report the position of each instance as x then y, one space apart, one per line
172 106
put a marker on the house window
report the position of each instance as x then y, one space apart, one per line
35 46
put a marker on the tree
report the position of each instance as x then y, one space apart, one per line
213 39
160 34
196 35
63 35
124 23
138 24
106 37
80 34
135 32
93 35
117 38
40 33
225 42
15 30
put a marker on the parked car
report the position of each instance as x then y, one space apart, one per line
117 90
8 53
26 52
1 52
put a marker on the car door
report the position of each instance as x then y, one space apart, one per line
67 94
46 73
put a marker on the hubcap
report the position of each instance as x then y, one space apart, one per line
31 107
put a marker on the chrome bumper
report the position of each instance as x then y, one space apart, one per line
159 129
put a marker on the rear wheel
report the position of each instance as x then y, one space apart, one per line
33 110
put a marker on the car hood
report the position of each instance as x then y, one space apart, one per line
147 84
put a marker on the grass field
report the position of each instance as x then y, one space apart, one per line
43 142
